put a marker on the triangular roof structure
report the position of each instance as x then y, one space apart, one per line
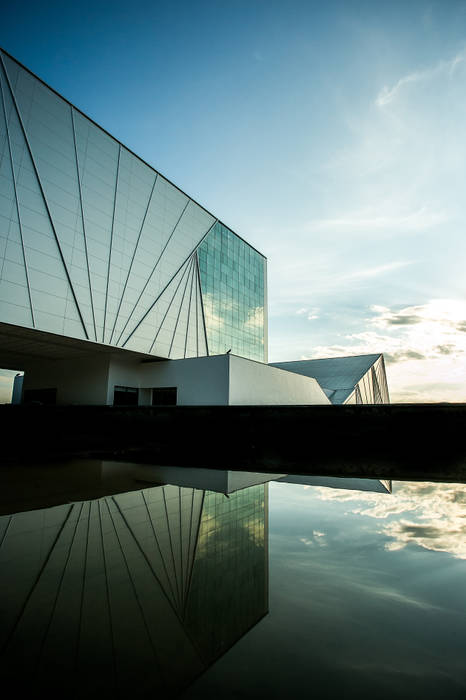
338 376
338 482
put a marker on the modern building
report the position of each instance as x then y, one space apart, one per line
116 286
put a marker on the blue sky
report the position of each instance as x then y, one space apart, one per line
330 136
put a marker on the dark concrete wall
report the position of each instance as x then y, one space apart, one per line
389 441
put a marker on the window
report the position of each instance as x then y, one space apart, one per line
125 396
165 396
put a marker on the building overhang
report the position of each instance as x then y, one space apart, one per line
19 346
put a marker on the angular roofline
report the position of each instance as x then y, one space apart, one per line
320 359
49 87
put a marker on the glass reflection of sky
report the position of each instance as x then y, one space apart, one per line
367 598
233 284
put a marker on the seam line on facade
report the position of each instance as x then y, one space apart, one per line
196 288
83 585
78 174
169 305
161 556
35 582
181 543
101 128
188 586
20 225
189 309
202 304
39 182
111 241
188 556
59 587
171 549
107 590
133 257
150 277
133 585
384 375
163 290
181 305
6 531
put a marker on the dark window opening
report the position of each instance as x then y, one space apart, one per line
40 396
165 396
125 396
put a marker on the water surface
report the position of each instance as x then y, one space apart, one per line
275 589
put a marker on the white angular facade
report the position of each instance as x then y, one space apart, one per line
96 245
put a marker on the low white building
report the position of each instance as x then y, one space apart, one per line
121 379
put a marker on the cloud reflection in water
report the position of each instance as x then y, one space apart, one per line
430 515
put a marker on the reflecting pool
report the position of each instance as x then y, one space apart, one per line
205 584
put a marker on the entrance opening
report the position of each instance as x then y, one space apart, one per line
125 396
41 396
165 396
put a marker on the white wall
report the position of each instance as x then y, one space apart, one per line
228 379
201 381
77 380
126 372
253 383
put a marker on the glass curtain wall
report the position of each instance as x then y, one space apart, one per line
233 289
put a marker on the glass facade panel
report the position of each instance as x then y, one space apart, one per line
230 565
233 287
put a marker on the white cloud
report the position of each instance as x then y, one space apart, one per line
375 221
387 224
447 68
311 314
441 315
213 317
377 270
255 317
318 539
424 346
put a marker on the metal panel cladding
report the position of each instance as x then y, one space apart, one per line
95 244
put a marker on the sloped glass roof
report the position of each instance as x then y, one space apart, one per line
336 375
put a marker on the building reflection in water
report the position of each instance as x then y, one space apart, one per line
137 592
